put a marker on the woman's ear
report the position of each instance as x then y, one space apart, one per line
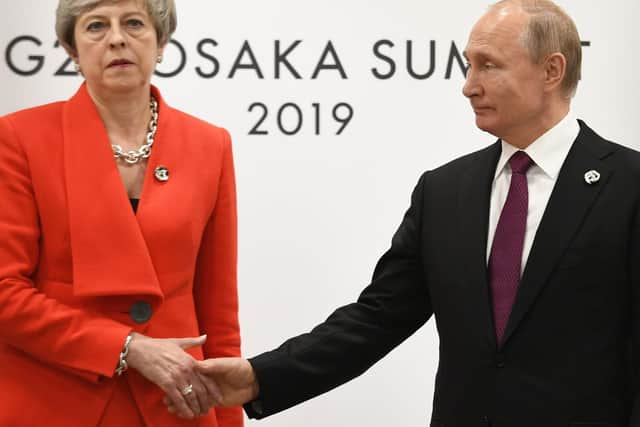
160 54
73 54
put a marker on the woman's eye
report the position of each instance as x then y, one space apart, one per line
95 26
135 23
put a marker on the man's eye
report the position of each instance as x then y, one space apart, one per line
489 65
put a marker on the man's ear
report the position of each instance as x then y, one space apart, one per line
555 68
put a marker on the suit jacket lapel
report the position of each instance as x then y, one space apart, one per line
473 214
570 201
110 256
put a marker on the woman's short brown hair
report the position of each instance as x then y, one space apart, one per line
162 13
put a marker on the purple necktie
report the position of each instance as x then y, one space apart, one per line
506 252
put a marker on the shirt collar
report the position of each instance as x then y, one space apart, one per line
549 150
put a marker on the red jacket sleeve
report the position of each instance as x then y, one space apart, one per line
42 327
215 287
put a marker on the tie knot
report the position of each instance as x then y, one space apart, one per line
520 162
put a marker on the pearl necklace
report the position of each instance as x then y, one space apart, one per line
134 156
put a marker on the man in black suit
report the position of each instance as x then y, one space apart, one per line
527 253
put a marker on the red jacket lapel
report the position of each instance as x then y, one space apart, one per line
110 256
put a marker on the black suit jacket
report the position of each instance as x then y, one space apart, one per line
575 325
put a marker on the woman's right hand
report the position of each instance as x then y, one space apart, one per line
165 362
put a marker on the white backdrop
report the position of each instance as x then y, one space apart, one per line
316 211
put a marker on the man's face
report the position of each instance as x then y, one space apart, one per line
505 87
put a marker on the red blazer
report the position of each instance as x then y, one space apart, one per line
75 259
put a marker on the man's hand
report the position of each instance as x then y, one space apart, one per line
235 378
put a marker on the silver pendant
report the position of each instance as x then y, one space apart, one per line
591 177
161 173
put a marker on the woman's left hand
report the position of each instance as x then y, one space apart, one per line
212 394
165 362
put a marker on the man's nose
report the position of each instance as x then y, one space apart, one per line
471 86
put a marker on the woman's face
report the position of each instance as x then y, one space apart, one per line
116 46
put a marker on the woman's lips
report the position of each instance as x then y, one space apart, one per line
120 63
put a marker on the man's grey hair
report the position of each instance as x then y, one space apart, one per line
550 30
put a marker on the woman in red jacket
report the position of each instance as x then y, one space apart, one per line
117 239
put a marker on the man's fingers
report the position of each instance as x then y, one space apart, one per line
213 391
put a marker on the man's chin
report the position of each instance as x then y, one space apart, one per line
484 125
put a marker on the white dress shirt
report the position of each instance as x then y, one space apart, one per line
548 154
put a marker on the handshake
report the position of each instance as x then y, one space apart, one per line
228 381
192 387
